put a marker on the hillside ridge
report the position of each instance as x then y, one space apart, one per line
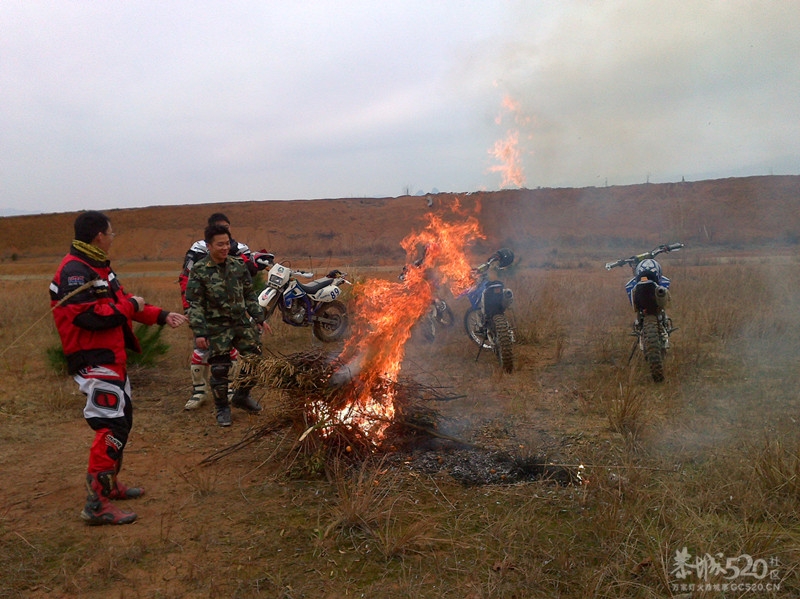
735 212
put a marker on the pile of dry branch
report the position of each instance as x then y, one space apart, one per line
313 407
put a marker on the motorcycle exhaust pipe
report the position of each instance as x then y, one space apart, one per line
662 296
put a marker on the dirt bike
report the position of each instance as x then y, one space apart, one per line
486 321
439 315
648 292
307 304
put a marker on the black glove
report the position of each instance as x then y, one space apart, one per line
263 259
333 274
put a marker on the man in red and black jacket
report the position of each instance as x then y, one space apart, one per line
94 317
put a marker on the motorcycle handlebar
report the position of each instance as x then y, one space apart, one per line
633 260
479 270
671 247
610 265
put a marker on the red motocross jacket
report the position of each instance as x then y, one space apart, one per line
94 314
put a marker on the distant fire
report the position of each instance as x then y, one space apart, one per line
507 151
385 312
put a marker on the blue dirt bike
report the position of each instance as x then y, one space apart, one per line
648 293
486 321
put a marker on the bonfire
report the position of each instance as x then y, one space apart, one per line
354 405
356 402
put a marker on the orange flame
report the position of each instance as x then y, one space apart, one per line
385 312
507 150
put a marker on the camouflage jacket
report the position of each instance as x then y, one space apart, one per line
220 296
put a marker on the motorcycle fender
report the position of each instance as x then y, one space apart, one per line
644 297
267 297
492 299
327 294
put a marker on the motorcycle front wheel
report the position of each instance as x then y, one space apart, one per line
473 323
651 344
445 316
330 323
428 326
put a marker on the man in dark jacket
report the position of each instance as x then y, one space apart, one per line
222 301
93 315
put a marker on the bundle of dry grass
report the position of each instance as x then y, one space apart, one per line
328 423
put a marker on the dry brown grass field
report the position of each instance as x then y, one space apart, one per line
708 460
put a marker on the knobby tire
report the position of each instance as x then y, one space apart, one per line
503 345
651 342
328 333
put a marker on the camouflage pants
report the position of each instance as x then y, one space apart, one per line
221 340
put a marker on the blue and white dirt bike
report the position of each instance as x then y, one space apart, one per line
304 304
648 292
486 321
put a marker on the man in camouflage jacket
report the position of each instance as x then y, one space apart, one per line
222 302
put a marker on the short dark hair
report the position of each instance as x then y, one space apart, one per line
89 224
214 230
218 217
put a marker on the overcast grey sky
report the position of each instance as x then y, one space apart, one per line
120 104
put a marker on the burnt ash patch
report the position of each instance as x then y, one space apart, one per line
474 466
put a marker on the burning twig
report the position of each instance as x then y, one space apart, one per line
327 417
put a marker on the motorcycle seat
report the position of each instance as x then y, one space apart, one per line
315 286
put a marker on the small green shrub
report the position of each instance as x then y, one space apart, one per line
56 359
153 346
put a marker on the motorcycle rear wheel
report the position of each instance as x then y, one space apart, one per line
335 313
651 343
503 344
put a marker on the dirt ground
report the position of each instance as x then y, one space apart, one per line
243 526
189 508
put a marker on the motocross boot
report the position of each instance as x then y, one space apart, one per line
221 406
236 368
219 389
200 386
120 491
241 399
98 509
